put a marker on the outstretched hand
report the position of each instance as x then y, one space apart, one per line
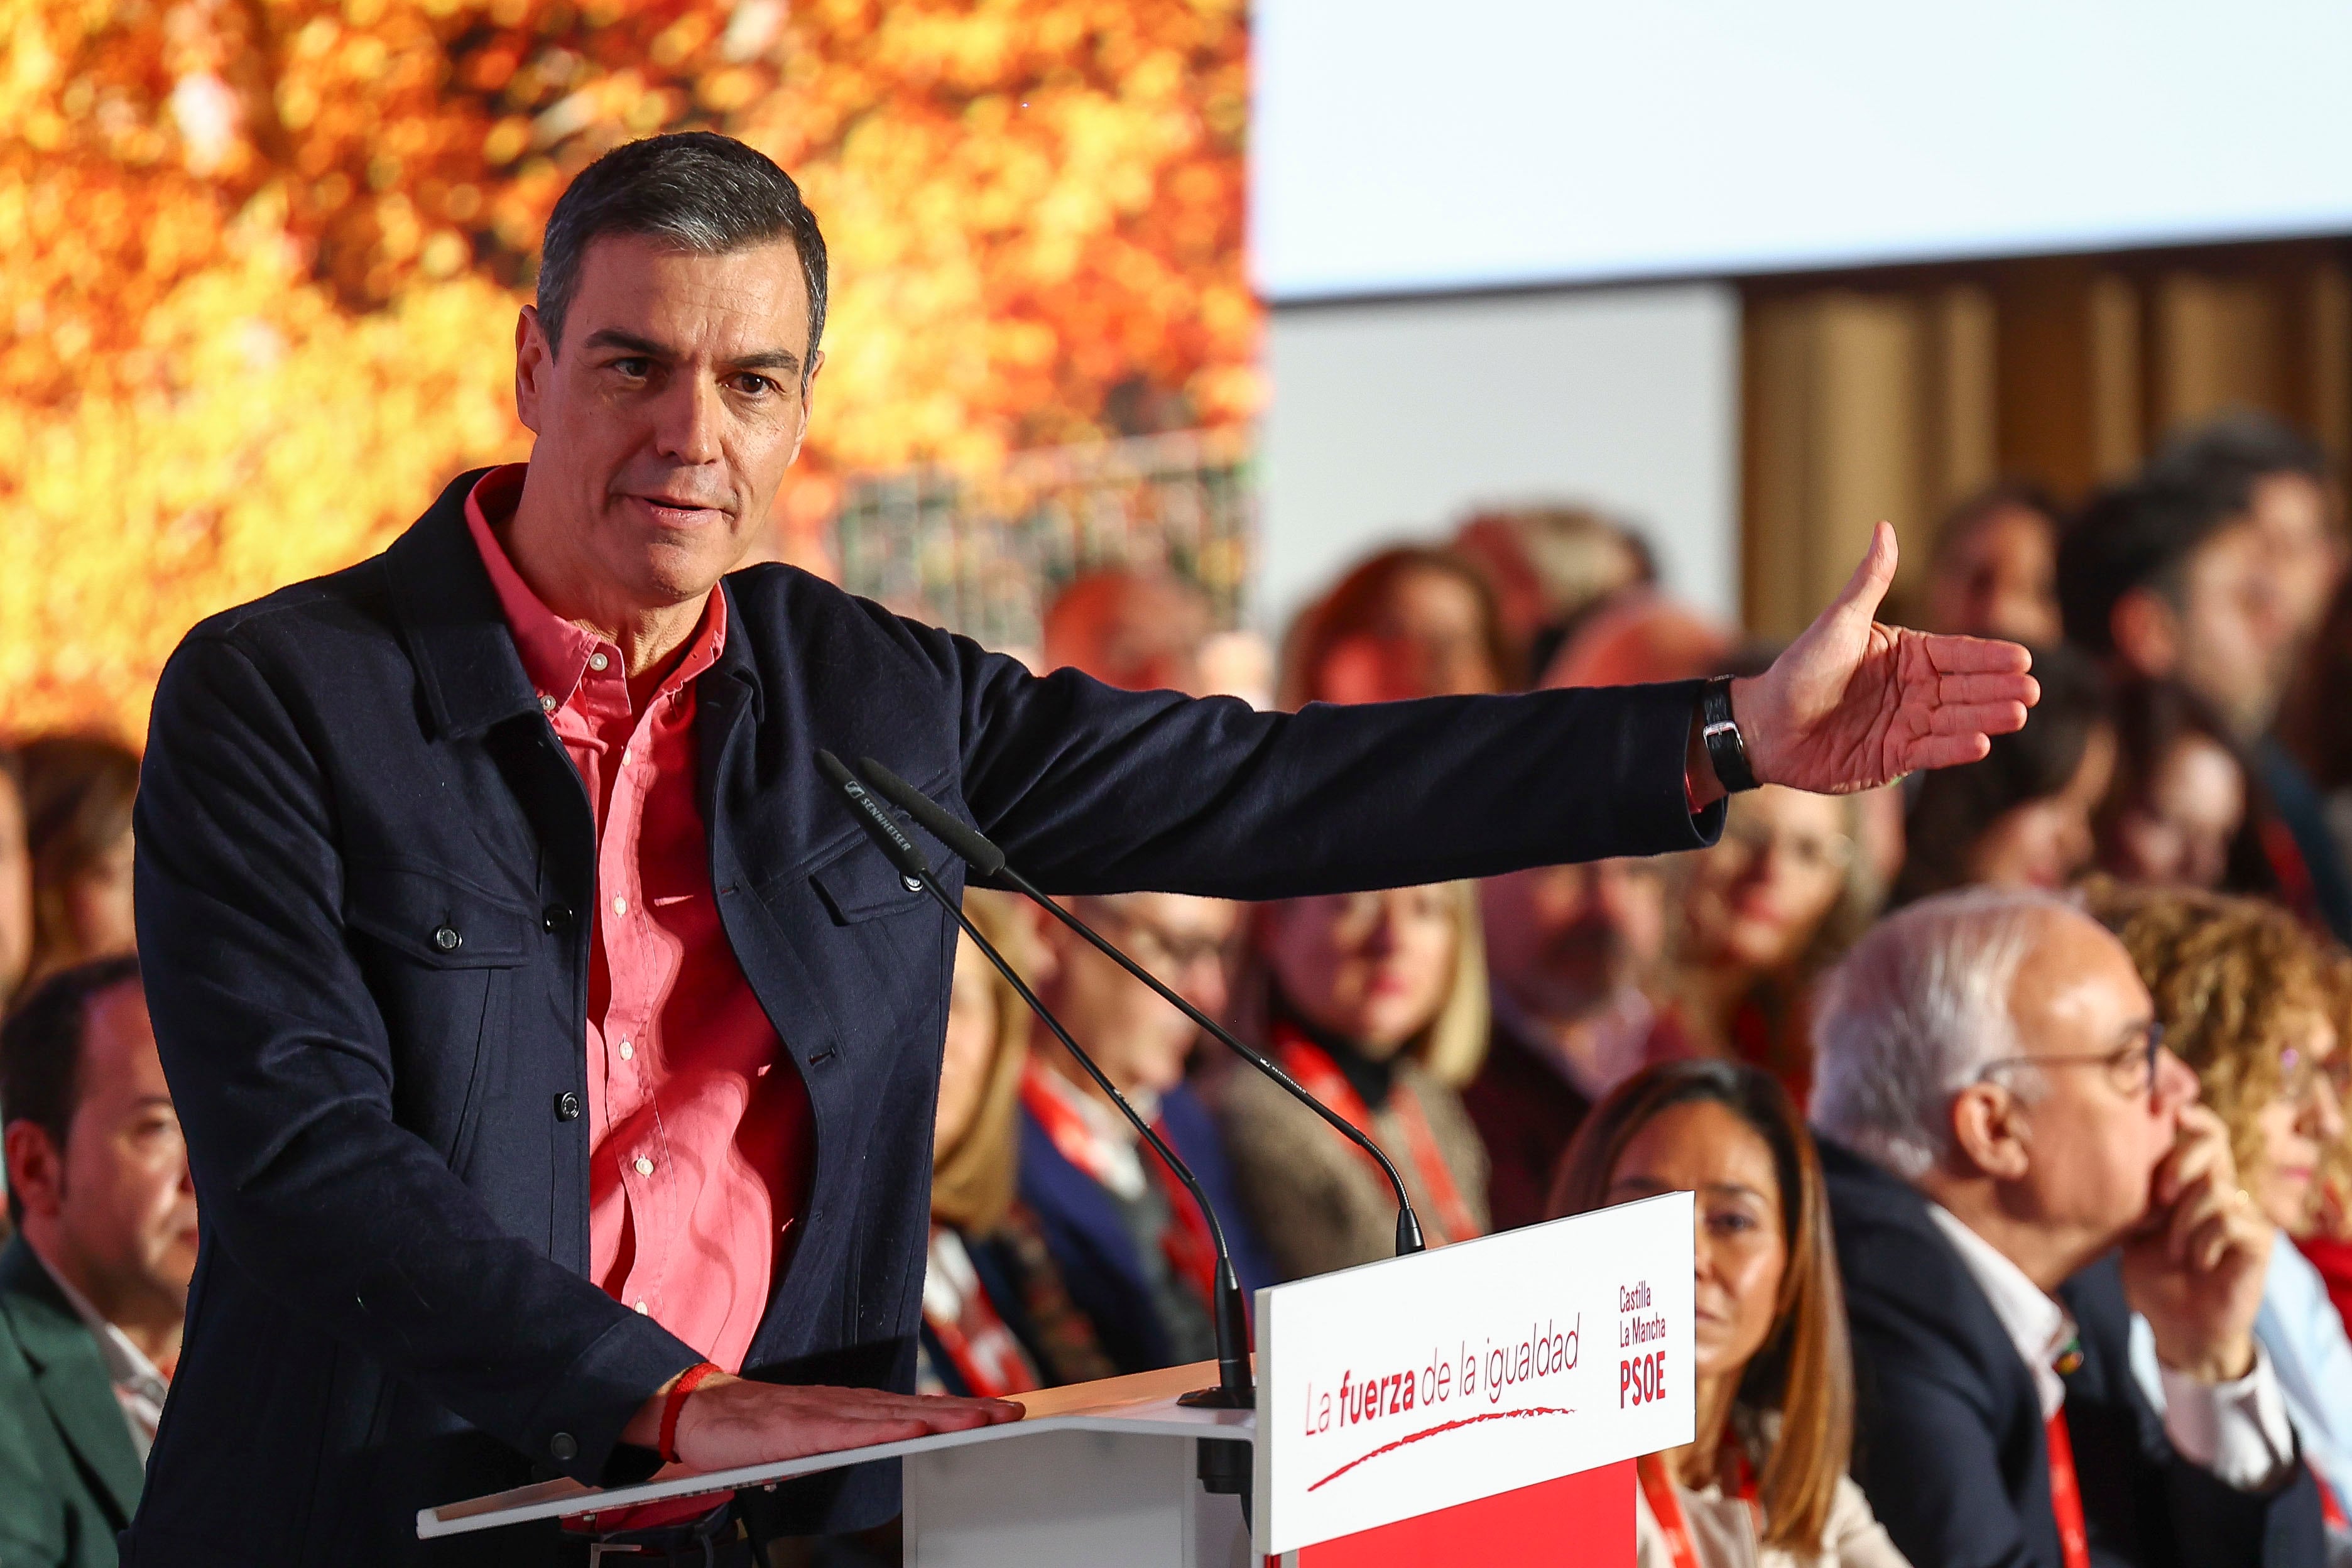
731 1422
1852 704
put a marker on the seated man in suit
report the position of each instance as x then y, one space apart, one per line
1131 1243
1568 948
93 1287
2024 1169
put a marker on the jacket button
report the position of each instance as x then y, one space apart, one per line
447 938
564 1447
555 917
567 1107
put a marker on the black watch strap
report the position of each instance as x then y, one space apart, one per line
1720 732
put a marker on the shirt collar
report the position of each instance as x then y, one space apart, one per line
2035 1324
126 1364
556 653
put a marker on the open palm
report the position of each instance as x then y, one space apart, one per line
1852 704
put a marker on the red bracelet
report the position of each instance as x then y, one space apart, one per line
689 1380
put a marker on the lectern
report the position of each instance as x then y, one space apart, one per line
1482 1403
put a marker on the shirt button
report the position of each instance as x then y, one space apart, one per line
645 1166
641 1309
597 661
447 938
567 1107
627 1051
628 755
620 906
546 703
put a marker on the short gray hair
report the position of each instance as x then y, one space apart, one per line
696 190
1914 1014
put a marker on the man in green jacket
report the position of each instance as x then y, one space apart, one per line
95 1284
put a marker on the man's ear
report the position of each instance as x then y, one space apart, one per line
36 1172
1989 1133
2146 630
534 363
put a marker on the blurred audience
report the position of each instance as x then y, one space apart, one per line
1763 1482
2181 811
2280 477
1570 951
2024 1168
996 1317
1129 1243
1377 1004
1142 632
1761 913
2315 725
2020 817
2176 580
1637 636
77 791
1548 564
16 880
2251 1003
1410 622
94 1287
1994 571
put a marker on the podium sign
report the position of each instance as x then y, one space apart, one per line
1417 1385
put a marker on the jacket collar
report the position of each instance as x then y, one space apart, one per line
449 615
69 1374
457 632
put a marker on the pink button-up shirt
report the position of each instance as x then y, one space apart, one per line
698 1123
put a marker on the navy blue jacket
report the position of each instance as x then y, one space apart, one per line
1949 1443
1092 1248
363 859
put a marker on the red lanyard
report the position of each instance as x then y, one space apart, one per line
986 1356
2066 1494
1312 1065
1666 1504
1185 1242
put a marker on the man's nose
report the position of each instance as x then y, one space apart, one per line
688 423
2175 1084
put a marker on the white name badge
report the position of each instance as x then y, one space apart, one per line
1419 1384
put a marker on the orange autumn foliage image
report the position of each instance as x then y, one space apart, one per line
260 262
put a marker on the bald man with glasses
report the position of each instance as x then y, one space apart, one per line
2018 1170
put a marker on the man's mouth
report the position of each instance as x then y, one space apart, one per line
678 511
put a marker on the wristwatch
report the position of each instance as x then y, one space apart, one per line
1720 732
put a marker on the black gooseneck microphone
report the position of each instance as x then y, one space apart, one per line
986 858
1235 1389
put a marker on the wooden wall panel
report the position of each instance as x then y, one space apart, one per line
1895 392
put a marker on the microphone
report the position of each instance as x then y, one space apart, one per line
986 858
1235 1389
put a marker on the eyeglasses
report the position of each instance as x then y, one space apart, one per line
1820 854
2300 1077
2130 1067
1167 955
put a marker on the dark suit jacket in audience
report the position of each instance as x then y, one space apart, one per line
1950 1441
69 1476
1525 1112
1096 1254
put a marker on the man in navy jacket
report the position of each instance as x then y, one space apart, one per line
2024 1169
376 921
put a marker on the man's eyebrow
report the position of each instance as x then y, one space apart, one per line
614 338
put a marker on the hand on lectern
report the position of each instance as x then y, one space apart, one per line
732 1421
1852 704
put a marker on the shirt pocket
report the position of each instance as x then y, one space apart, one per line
858 882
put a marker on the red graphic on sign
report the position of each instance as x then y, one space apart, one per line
1437 1430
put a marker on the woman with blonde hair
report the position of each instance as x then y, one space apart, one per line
1377 1002
996 1319
1763 1482
2254 1003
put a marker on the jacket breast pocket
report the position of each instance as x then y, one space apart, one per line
859 883
442 959
434 918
